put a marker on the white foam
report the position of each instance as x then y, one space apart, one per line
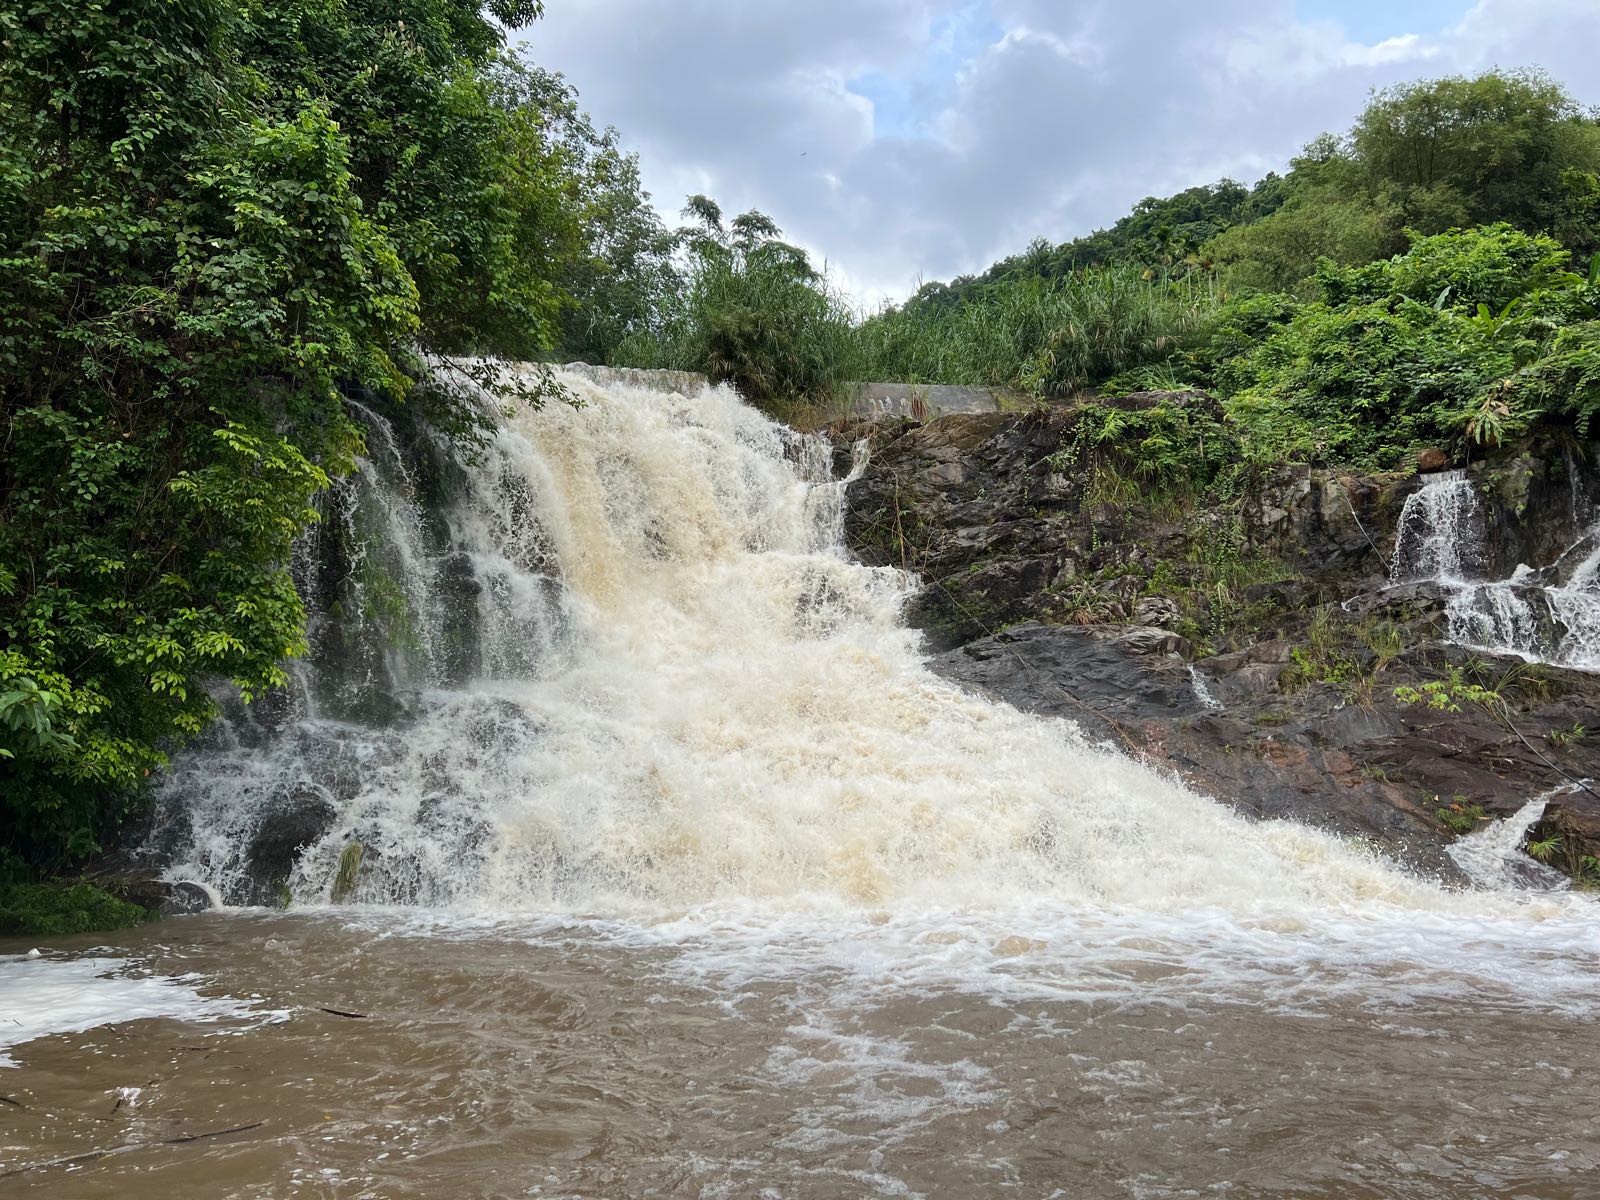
41 997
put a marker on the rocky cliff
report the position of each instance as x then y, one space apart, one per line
1248 636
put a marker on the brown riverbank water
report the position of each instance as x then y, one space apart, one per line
933 1055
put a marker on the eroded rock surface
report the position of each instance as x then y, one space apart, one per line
1106 602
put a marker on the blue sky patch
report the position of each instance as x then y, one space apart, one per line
902 103
1374 21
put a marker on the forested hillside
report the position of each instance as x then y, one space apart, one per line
220 221
1427 276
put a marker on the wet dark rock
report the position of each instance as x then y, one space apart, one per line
1537 501
373 705
1432 459
299 817
1574 819
1083 675
1038 593
135 876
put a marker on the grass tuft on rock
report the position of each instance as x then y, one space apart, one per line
56 910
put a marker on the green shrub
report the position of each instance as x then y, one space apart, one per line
1566 381
1052 337
753 312
1181 441
1461 818
1491 264
55 910
1409 351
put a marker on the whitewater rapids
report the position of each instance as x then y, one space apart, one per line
691 695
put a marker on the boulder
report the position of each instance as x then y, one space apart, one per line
294 820
1432 459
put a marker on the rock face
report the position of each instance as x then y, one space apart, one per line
1250 642
1432 459
295 820
999 522
1573 820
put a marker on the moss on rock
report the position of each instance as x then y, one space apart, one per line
56 910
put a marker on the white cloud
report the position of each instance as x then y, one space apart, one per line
1033 117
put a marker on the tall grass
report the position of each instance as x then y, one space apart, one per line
762 320
1049 337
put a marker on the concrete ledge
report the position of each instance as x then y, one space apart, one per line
922 401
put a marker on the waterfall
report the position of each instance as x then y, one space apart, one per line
1441 539
1492 856
1440 535
1202 689
627 666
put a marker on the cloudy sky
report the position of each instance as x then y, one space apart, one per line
904 140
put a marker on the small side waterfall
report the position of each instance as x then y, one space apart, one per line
1441 538
1202 688
1491 857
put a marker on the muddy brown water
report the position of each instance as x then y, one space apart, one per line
872 1057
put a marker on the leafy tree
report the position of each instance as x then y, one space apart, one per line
750 310
1472 151
597 234
217 220
1507 147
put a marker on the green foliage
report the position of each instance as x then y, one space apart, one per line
1587 875
598 236
1438 345
1385 639
54 910
344 881
1424 157
1050 337
1471 151
1163 233
1179 440
1448 694
1491 267
1566 380
1566 737
1322 659
752 311
216 221
1544 849
1278 254
1461 818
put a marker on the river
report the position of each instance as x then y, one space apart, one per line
680 875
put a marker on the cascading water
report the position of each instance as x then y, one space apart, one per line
1441 539
1492 856
1440 535
728 895
682 691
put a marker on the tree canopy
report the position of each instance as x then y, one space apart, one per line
219 220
